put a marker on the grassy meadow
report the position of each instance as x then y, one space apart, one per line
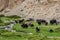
30 32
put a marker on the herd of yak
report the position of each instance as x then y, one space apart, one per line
26 23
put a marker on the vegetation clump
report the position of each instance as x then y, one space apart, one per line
13 16
1 15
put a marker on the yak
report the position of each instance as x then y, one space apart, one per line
24 25
22 20
53 21
30 19
41 21
37 29
50 30
32 25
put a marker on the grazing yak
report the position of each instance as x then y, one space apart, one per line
53 21
32 25
24 25
22 20
40 21
30 19
50 30
37 29
29 23
16 21
19 21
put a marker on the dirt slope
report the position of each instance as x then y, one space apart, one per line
9 4
37 9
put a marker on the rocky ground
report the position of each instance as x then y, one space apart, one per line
37 9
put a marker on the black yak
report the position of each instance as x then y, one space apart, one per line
32 25
30 19
19 21
53 21
40 21
24 25
51 30
37 29
46 23
22 20
16 21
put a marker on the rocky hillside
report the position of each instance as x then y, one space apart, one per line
9 4
37 9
